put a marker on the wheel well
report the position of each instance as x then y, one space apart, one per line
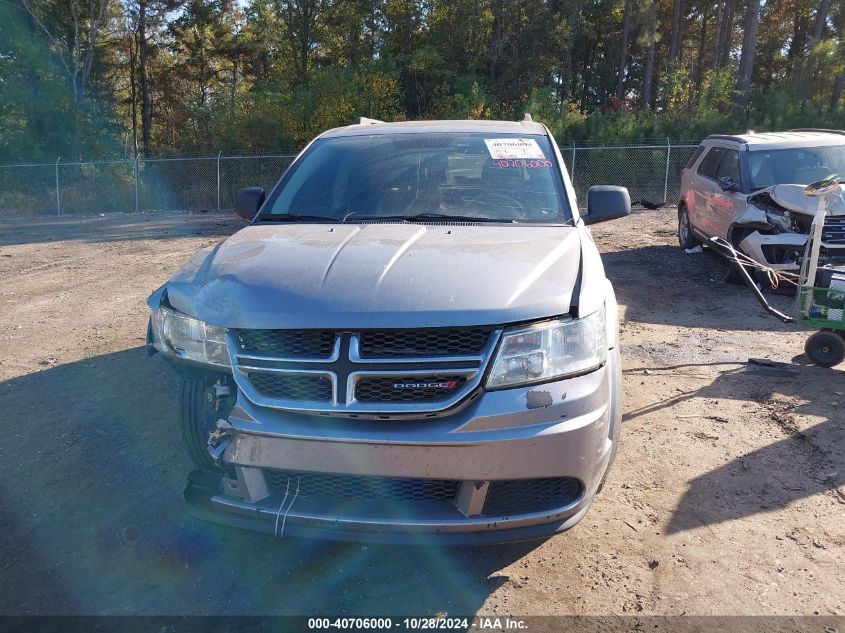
738 233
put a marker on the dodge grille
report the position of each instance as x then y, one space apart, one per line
380 373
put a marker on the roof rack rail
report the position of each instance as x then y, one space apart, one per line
727 137
818 129
362 120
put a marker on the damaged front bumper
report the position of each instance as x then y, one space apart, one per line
778 251
512 465
774 229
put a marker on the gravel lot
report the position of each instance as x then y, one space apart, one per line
728 496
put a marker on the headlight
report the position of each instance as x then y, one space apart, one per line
550 350
193 339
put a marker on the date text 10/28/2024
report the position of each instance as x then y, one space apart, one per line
418 624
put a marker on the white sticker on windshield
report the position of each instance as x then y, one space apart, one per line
506 148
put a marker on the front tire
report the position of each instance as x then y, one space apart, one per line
825 348
686 238
200 412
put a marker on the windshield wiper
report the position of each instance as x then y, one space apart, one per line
428 217
296 217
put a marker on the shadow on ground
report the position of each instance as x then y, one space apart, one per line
118 227
805 462
92 518
663 285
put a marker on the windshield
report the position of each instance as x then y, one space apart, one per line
494 177
798 166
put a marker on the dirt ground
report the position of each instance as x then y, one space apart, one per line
728 496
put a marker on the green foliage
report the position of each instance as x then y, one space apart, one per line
259 75
38 116
677 88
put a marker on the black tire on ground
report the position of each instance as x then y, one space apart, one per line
733 276
686 238
825 349
198 420
782 289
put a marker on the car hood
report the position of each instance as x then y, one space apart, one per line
792 197
380 275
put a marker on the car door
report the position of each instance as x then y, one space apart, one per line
704 188
726 204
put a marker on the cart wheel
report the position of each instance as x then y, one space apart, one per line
825 349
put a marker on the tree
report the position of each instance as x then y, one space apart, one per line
818 32
749 44
203 75
623 49
304 22
678 18
39 117
651 43
74 35
569 16
145 19
724 34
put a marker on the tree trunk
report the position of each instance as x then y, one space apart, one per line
749 47
724 35
821 18
71 48
702 41
133 91
818 31
678 11
798 41
623 50
146 103
95 19
648 75
566 72
233 91
838 83
588 63
570 12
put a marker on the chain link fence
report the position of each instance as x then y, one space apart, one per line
204 183
650 172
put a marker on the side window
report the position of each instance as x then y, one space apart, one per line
698 152
729 166
710 164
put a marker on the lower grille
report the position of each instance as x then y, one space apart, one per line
407 388
302 387
361 487
518 496
833 233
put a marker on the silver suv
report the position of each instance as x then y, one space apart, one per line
414 335
749 190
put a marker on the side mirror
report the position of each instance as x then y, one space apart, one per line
726 183
605 202
249 201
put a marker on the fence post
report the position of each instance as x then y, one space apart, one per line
58 195
666 175
218 179
135 172
572 175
